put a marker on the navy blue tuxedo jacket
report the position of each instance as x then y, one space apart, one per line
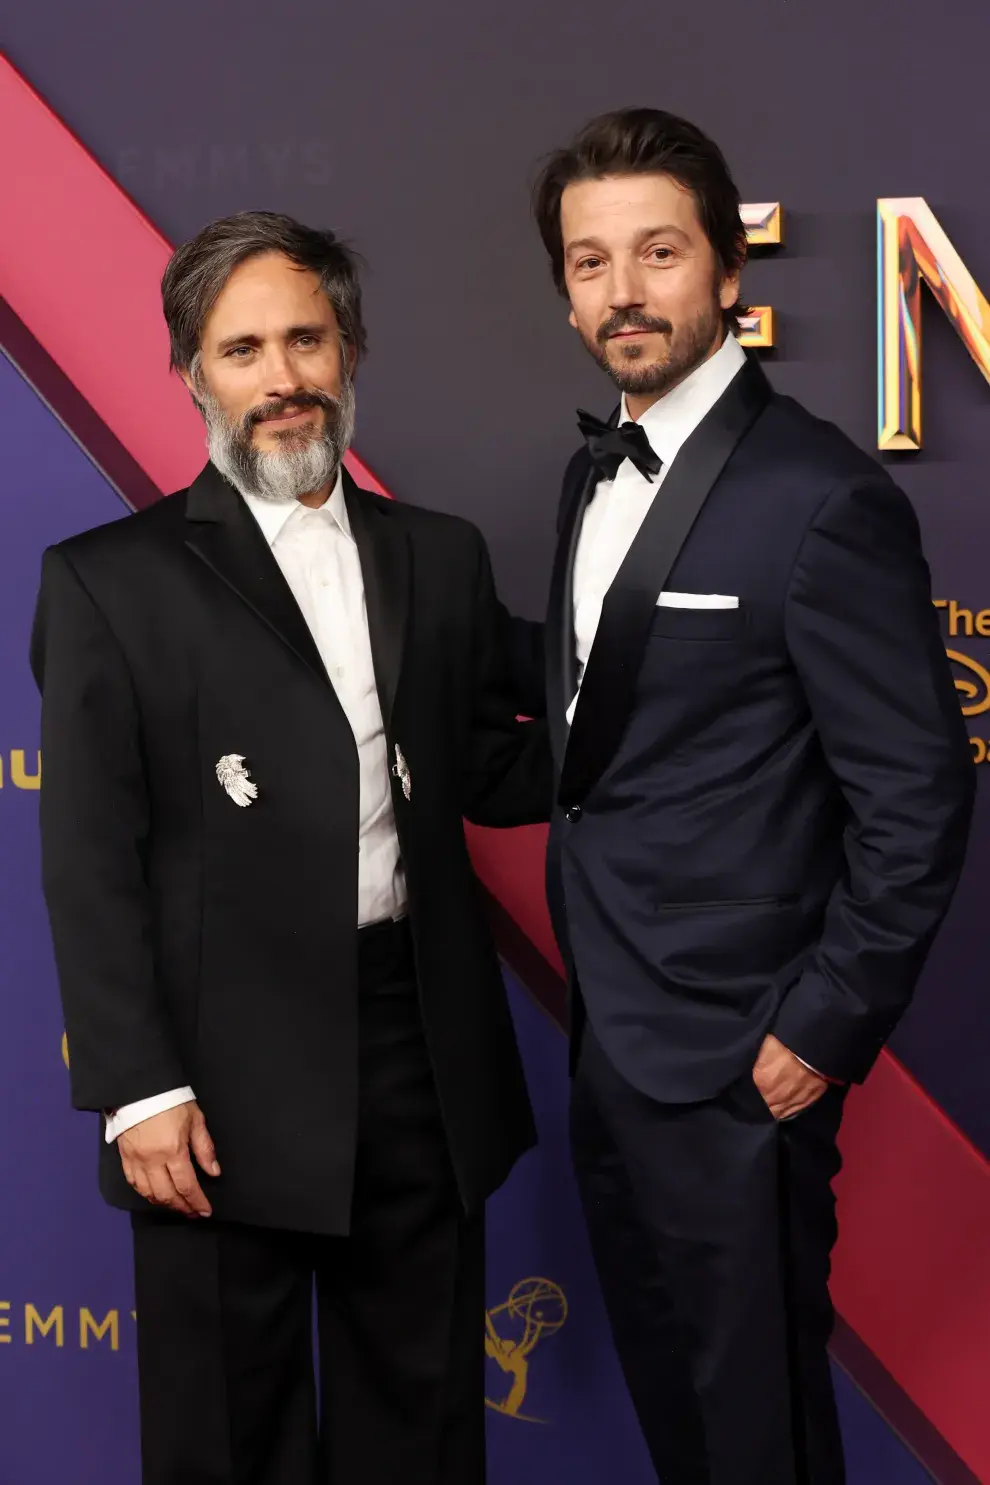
762 811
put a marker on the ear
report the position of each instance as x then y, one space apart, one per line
350 358
729 291
572 320
188 384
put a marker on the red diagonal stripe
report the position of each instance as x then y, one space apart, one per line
80 265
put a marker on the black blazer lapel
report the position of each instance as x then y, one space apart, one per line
223 533
383 547
580 480
610 676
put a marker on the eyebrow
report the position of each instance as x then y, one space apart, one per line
664 231
229 341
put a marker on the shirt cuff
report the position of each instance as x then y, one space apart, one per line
824 1076
130 1114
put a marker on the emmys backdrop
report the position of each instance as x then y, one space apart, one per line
414 131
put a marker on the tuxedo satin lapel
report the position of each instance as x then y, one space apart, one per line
609 682
383 547
561 657
223 533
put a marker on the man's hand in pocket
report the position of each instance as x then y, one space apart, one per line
787 1086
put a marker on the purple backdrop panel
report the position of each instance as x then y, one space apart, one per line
68 1400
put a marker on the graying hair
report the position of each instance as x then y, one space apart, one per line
199 269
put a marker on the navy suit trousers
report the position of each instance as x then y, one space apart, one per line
712 1226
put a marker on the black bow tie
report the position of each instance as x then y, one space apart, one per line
609 446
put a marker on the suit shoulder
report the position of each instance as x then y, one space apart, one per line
820 447
424 524
125 534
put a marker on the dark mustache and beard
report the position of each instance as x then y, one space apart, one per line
688 346
306 459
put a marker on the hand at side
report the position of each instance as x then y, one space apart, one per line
157 1159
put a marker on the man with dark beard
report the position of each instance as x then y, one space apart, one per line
268 703
763 799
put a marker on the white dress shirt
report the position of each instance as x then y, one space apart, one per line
319 559
618 507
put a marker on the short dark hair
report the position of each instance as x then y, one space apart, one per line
197 272
646 141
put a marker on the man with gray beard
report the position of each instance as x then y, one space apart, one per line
268 703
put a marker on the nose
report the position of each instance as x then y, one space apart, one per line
625 289
281 377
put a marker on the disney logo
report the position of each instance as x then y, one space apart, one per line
976 691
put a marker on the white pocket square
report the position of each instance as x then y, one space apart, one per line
696 600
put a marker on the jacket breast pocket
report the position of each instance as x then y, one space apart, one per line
698 623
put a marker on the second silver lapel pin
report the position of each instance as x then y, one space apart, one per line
401 771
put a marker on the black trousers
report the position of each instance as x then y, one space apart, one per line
712 1226
229 1393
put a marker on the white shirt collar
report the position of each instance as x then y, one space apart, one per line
274 515
672 420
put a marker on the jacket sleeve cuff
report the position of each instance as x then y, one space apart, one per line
829 1031
839 1082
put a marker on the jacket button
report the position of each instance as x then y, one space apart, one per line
573 815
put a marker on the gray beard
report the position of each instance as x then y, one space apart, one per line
305 461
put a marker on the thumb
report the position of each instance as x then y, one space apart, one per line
202 1145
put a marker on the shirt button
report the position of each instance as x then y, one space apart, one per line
574 814
340 672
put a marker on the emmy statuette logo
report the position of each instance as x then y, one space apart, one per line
534 1310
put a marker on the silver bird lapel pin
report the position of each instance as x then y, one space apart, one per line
236 779
400 769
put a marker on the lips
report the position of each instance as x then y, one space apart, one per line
289 416
290 412
630 326
281 411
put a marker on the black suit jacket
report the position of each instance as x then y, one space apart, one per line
762 810
199 942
